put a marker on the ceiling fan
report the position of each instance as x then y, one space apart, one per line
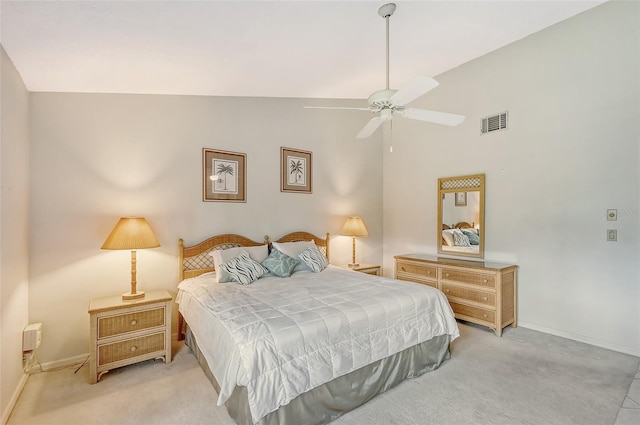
388 102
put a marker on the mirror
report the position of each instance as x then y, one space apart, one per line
461 216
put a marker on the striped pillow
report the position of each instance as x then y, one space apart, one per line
460 239
242 269
313 259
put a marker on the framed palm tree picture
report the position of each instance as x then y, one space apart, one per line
295 170
224 176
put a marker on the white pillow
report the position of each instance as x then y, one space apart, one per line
256 253
460 239
292 249
447 235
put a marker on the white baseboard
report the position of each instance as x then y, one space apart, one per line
581 338
14 399
60 364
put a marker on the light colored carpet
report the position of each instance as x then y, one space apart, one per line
525 377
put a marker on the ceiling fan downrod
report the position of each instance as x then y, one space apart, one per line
386 11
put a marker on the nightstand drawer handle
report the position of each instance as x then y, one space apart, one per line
133 348
403 269
484 315
447 290
134 322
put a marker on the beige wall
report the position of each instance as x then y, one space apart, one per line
98 157
14 231
570 153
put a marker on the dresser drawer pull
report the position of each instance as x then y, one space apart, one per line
447 290
134 322
133 348
447 274
484 298
485 280
484 315
403 269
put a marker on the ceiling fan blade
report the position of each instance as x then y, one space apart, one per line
444 118
413 90
336 107
371 127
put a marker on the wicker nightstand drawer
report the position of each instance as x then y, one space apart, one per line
130 348
131 322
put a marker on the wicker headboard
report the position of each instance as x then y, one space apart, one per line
195 260
322 244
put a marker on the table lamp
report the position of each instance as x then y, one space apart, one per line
354 227
131 233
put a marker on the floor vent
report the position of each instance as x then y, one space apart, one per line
494 123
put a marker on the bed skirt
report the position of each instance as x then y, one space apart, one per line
342 394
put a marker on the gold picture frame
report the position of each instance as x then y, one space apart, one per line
295 170
224 176
461 199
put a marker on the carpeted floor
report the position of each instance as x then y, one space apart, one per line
525 377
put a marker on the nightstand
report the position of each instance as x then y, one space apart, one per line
365 268
128 332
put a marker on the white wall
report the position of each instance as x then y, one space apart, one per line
98 157
571 152
14 231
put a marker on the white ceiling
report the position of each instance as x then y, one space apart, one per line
323 49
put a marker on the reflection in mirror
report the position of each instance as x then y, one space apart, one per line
461 216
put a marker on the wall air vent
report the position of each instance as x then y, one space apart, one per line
495 123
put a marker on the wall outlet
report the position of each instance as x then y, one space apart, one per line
612 215
31 337
612 235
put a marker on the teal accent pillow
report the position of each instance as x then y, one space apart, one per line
280 264
473 238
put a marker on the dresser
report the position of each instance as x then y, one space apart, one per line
128 332
478 291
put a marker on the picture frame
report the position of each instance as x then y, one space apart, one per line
224 176
461 199
295 170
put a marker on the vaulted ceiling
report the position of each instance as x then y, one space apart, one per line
323 49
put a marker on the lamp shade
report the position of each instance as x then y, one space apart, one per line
354 227
131 233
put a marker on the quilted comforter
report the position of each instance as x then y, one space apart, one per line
283 337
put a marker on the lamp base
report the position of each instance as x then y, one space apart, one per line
352 265
127 296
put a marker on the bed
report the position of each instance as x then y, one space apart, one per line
307 348
460 237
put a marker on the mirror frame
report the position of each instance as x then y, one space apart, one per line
471 183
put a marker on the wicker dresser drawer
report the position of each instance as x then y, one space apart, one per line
416 269
472 278
125 332
467 312
417 279
129 348
481 297
131 322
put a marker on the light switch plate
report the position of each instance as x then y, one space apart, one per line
612 215
612 235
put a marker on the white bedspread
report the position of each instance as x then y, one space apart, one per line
283 337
